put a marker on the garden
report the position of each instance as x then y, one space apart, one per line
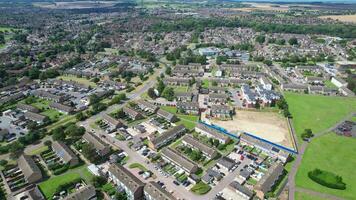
53 162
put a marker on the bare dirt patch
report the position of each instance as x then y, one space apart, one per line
342 18
263 7
267 125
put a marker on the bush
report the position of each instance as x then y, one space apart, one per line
68 185
327 179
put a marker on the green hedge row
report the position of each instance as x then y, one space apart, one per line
327 179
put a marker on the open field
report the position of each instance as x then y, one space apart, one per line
78 80
331 153
263 7
317 112
304 196
74 5
342 18
49 186
268 125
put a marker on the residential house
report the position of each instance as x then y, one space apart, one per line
131 113
177 81
158 141
87 192
166 115
266 183
49 96
294 87
249 97
147 106
188 107
267 84
62 108
220 111
153 191
184 96
339 82
29 168
65 153
207 151
226 164
126 181
212 133
177 159
38 118
112 121
236 191
25 107
346 91
101 147
218 98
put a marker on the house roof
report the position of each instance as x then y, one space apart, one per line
63 151
130 111
157 192
168 134
111 120
27 107
126 177
85 193
212 132
165 114
34 116
237 186
61 107
147 104
178 159
226 162
28 166
268 180
98 143
198 145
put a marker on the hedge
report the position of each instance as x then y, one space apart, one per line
327 179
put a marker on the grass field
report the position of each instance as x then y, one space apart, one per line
39 150
49 186
201 188
331 153
78 80
188 121
342 18
317 112
64 120
138 166
304 196
178 89
53 114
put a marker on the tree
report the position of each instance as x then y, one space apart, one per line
15 149
98 181
34 73
48 143
160 87
260 39
80 116
120 196
94 99
267 62
257 105
293 41
3 162
2 39
168 71
74 131
214 83
151 93
95 80
58 136
89 152
307 134
168 93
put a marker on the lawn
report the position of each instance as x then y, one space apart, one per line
53 114
49 186
178 89
78 80
41 104
205 83
137 165
304 196
317 112
188 121
331 153
64 120
39 150
201 188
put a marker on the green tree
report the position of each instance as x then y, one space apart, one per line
160 87
293 41
260 39
168 93
151 93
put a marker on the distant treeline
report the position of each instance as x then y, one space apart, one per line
194 24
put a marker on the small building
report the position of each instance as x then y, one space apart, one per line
339 82
237 191
29 168
184 96
267 84
65 153
218 98
294 87
126 181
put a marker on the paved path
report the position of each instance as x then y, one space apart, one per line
293 172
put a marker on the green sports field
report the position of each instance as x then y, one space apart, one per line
317 112
331 153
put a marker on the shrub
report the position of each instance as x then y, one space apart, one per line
68 185
327 179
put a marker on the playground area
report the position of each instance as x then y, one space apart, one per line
270 126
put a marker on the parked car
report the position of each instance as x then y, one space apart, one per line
176 182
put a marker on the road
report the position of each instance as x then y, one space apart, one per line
303 147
